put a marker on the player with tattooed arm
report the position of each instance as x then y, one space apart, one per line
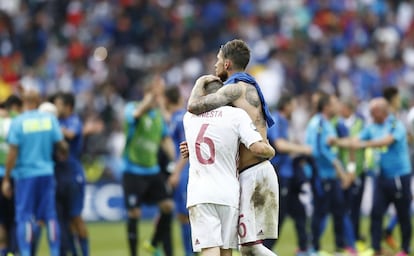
259 201
213 188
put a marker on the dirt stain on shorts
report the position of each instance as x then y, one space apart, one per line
264 199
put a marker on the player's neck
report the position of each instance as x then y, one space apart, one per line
283 114
234 71
326 116
175 108
30 106
67 114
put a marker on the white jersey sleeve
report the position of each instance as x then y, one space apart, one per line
247 130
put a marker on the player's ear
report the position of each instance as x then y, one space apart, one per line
227 64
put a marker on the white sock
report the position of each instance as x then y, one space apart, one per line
256 250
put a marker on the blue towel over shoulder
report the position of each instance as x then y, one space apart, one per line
244 77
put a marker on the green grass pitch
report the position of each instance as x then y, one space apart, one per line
109 239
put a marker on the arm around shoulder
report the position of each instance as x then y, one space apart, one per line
262 149
199 102
383 142
285 146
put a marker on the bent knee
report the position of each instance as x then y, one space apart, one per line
134 213
3 235
182 218
166 206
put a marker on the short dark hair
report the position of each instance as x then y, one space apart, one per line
284 100
324 100
349 103
173 94
389 93
13 100
67 98
238 52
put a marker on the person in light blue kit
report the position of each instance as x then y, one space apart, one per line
32 138
387 135
392 96
326 183
179 176
70 176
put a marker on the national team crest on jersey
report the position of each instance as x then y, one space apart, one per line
253 126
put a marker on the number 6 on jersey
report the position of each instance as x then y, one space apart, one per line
201 138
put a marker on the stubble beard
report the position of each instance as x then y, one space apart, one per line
223 76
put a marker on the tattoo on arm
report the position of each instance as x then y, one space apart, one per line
259 121
196 93
252 97
200 103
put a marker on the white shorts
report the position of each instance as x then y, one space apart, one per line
213 225
259 203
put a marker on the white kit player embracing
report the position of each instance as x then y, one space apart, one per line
213 191
259 198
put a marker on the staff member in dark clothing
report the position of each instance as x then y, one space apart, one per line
289 192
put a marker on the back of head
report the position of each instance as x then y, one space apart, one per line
154 83
13 101
323 101
31 98
238 52
283 101
347 107
173 94
67 98
315 99
349 103
3 110
389 93
379 104
212 86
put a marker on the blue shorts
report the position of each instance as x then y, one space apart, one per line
35 197
70 198
180 193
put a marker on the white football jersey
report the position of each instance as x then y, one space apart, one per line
213 142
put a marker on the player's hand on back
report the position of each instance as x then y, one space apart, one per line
207 79
184 149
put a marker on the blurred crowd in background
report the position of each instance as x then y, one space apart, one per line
102 51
